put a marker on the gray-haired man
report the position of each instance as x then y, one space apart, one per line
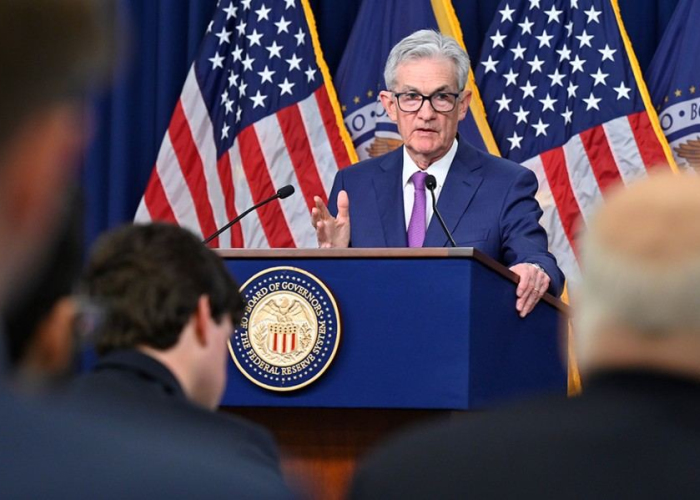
488 203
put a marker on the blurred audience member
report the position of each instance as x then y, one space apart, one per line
50 53
41 321
635 431
169 308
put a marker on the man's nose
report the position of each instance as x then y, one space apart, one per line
426 111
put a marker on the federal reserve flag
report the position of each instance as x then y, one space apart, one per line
674 84
565 97
257 112
380 25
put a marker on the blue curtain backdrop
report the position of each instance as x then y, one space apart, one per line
164 36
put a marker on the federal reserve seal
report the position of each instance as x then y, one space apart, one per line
289 332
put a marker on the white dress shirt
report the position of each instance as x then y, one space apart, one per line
438 169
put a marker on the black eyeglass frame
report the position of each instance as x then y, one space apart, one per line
428 98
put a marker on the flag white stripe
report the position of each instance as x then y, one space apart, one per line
281 171
195 111
551 221
581 177
142 214
253 234
625 150
319 142
175 187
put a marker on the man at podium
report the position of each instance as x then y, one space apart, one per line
487 202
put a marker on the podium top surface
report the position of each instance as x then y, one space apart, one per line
384 253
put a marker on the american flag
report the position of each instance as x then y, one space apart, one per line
257 112
565 98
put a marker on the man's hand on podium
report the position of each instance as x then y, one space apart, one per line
533 284
332 232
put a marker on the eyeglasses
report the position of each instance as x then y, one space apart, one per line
442 102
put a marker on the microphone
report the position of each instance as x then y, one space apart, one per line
431 184
282 193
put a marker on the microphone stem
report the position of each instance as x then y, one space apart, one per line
440 219
224 228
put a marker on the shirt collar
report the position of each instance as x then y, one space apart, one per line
438 169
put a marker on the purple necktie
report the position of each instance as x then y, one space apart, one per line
416 226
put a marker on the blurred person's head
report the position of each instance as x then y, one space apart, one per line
167 295
40 321
51 51
638 304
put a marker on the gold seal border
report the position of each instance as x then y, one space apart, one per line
331 357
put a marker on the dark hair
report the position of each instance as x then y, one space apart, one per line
55 278
50 50
149 278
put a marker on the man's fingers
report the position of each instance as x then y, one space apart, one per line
542 283
529 304
315 217
527 277
322 234
343 205
521 302
321 207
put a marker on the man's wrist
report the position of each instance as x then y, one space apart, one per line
533 264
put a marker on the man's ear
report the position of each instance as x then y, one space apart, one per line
464 103
389 104
202 320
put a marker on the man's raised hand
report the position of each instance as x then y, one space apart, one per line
332 232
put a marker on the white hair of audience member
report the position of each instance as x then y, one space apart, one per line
427 44
652 292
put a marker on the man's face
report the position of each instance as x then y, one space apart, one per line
219 334
427 134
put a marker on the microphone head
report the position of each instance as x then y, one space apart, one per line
430 182
285 191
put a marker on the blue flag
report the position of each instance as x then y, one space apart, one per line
674 84
379 26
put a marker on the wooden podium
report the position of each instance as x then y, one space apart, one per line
424 332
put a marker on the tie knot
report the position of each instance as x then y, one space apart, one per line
418 180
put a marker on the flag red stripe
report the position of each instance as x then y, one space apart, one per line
157 202
600 156
647 142
224 168
192 170
340 152
554 164
297 143
256 171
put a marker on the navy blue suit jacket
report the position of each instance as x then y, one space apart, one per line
487 202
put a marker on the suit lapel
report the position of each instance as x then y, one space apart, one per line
462 182
389 195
